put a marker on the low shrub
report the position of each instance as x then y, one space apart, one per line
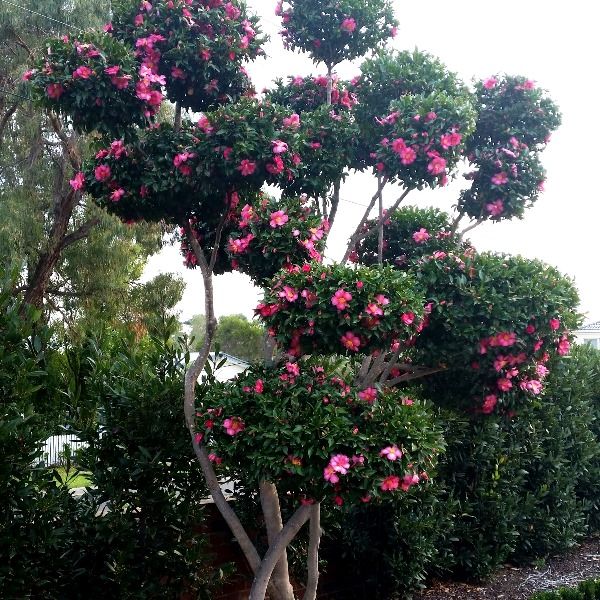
586 590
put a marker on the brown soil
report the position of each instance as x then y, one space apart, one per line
519 583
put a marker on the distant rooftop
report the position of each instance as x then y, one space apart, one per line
591 326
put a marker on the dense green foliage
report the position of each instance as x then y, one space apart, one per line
586 590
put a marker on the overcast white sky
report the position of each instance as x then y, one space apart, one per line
553 42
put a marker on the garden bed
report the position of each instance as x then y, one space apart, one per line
519 583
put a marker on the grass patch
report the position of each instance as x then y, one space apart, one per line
73 478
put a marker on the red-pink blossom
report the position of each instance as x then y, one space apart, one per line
276 167
293 121
232 12
490 83
421 236
259 386
55 91
340 299
348 25
289 293
82 72
278 219
340 463
391 482
177 73
78 181
350 341
233 425
382 300
279 147
504 384
437 165
116 195
407 156
500 178
369 395
554 324
374 309
489 404
391 452
531 385
27 75
564 346
247 167
102 172
409 480
138 20
504 338
449 140
495 208
408 318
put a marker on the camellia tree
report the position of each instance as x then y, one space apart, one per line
330 416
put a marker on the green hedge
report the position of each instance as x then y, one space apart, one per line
586 590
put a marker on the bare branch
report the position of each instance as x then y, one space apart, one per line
471 227
335 202
69 147
6 118
414 373
219 233
79 233
380 228
312 560
281 542
23 45
456 222
269 501
356 236
390 365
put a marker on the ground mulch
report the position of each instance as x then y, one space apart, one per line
519 583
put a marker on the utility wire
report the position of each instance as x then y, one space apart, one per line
33 12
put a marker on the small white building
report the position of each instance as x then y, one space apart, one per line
589 334
232 368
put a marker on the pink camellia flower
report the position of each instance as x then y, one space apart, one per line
391 452
259 386
232 12
338 500
541 370
276 167
215 459
102 172
409 480
278 219
437 165
340 299
500 362
78 181
279 147
368 395
408 318
406 401
340 463
449 140
564 346
82 72
374 310
292 121
505 338
348 25
204 125
490 83
390 483
530 329
198 438
55 91
382 300
289 293
532 385
27 75
138 20
495 208
500 178
554 324
247 167
398 145
407 156
117 194
350 341
292 369
504 384
489 404
421 236
177 73
233 425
